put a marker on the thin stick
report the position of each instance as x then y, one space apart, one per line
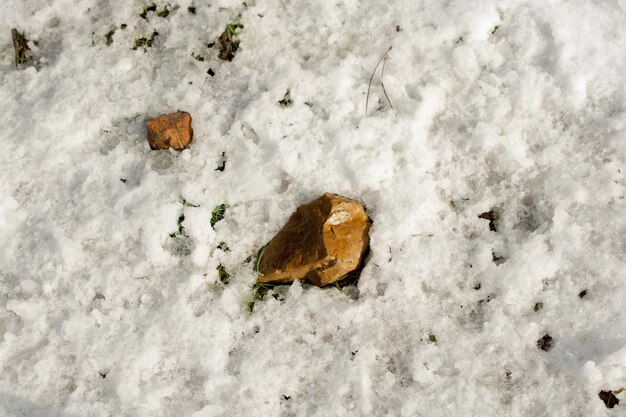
369 86
382 72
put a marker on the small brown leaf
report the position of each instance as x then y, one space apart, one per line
492 217
609 399
545 343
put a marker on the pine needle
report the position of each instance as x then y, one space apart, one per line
382 73
259 256
369 86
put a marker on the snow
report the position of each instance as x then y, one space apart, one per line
513 106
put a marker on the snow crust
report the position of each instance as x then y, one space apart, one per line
513 106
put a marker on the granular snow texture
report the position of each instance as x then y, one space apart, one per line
111 302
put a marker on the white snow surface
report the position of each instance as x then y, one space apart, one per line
515 106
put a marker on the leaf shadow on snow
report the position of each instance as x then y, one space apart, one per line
130 133
21 407
125 129
180 246
594 345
